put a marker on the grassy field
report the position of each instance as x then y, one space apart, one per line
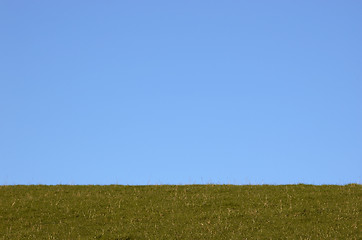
181 212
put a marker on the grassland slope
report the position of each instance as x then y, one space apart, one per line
181 212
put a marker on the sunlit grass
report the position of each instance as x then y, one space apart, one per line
181 212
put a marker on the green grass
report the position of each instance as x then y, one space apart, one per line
181 212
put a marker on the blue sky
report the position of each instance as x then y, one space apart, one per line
180 92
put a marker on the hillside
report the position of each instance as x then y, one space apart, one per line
181 212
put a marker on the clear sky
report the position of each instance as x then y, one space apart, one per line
180 92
